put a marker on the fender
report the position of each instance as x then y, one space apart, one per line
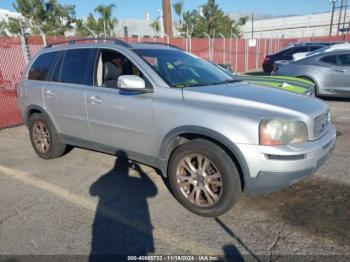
42 110
171 136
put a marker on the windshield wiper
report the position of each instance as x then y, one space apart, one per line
188 85
227 81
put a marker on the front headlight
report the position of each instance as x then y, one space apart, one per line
280 132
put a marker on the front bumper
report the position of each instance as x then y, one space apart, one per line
274 168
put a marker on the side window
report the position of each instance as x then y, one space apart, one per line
294 50
75 66
331 59
41 67
313 48
111 65
55 76
343 60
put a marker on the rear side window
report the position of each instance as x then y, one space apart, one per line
313 48
294 50
55 77
41 67
75 66
340 60
343 60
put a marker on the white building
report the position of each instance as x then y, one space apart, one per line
295 26
6 14
135 27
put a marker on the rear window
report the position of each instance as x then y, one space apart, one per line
75 65
41 67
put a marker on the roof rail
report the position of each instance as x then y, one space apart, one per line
74 41
157 43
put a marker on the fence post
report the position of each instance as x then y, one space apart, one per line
224 49
209 46
213 47
257 52
246 56
236 53
230 49
25 49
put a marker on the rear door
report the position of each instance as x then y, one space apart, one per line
342 74
38 76
336 73
65 93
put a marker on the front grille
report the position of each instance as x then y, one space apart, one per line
321 124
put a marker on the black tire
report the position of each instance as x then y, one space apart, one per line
55 148
231 189
268 68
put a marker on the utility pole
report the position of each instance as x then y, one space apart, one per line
168 22
332 17
345 13
340 15
252 25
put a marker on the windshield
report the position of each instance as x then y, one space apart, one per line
180 69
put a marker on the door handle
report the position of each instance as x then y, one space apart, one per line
340 70
95 100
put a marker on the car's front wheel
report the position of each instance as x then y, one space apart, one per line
204 178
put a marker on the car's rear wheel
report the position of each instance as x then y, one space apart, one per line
204 178
44 138
268 68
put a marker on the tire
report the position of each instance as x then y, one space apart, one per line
220 164
268 68
40 128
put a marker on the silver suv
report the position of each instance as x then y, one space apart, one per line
211 135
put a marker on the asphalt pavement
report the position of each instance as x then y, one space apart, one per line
92 203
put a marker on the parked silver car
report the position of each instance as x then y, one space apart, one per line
328 69
211 135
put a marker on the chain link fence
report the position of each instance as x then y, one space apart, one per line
241 54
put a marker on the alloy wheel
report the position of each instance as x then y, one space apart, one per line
41 137
199 180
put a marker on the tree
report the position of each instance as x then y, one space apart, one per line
106 15
178 7
212 21
90 27
156 26
46 17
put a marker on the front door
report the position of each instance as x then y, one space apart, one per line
120 119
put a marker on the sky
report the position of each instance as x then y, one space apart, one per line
137 8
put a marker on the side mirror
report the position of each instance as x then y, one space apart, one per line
131 82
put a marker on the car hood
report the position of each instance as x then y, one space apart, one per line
287 83
256 99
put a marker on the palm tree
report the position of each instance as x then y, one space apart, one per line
178 7
156 26
106 14
243 20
